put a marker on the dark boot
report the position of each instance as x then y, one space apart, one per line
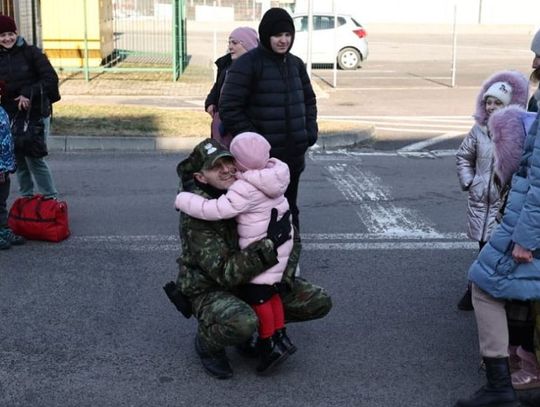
498 392
271 354
216 364
249 348
465 304
281 336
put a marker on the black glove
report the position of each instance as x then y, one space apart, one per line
279 231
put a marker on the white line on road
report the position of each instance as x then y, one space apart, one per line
310 242
392 246
423 144
373 201
343 155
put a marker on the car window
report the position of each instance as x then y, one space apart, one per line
301 24
319 23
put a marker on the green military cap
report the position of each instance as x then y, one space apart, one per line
204 156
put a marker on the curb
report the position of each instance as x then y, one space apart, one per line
86 143
344 140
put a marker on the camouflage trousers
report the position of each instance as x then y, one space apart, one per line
225 320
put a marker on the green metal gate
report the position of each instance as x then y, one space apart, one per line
147 36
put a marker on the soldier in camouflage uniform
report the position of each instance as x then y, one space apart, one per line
212 266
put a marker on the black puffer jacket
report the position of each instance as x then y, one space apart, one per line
271 94
25 69
223 63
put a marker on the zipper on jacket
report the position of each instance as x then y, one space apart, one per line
490 182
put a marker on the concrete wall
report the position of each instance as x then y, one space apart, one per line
434 11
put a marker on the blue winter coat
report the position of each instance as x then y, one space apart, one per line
495 271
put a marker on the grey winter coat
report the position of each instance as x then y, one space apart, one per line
475 172
475 159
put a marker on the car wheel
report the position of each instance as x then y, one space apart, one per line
349 59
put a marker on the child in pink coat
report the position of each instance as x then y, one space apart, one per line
260 187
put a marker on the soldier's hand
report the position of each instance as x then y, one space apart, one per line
279 231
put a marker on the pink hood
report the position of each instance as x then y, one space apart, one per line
520 91
508 127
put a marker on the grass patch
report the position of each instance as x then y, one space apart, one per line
122 120
72 119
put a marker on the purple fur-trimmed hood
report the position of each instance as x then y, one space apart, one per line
520 91
508 128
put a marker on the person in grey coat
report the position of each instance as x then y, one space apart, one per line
507 268
474 158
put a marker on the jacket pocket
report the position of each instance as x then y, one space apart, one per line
505 265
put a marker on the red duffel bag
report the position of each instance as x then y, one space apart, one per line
36 218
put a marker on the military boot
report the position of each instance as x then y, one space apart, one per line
498 392
281 336
216 364
271 354
249 348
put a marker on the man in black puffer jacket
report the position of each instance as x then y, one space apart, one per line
269 92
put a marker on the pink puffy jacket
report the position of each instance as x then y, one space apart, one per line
250 199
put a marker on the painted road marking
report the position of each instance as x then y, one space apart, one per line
411 124
426 143
310 242
373 202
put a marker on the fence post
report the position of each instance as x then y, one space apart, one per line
86 64
454 47
175 31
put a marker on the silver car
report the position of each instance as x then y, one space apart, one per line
347 43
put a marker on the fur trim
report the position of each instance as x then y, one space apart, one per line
508 134
520 92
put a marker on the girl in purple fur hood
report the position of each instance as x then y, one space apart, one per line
475 158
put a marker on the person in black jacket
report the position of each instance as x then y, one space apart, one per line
31 83
241 40
268 91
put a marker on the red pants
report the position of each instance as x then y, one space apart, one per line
271 316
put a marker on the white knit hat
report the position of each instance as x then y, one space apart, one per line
501 91
535 44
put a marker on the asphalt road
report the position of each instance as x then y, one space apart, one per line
85 321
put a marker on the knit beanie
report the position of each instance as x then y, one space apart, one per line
7 24
276 20
247 36
250 150
535 44
501 91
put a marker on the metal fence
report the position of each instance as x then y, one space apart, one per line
115 36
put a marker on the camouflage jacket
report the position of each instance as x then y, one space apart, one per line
211 258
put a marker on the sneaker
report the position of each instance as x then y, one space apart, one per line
216 364
12 238
528 377
4 244
465 303
514 361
